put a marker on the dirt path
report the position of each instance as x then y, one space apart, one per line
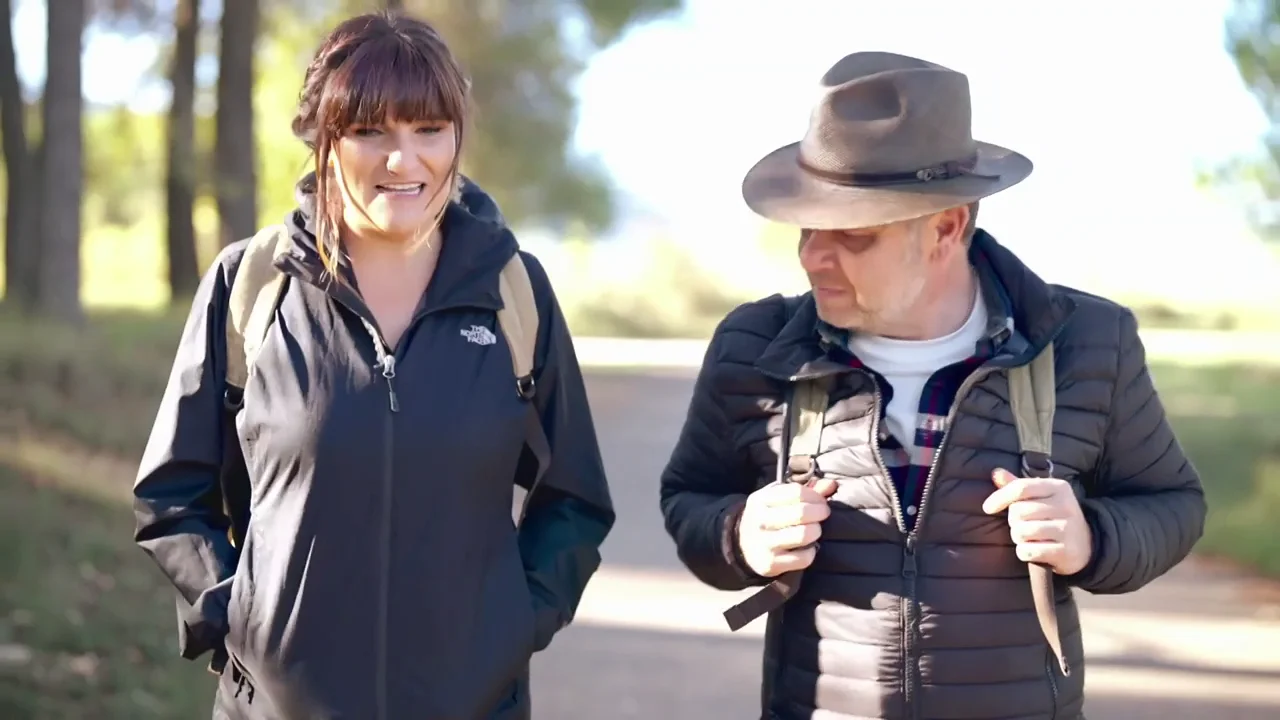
1198 644
1202 643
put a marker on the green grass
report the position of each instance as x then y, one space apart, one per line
98 384
1225 418
87 627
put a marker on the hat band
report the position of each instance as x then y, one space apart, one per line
942 171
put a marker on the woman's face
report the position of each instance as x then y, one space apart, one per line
395 177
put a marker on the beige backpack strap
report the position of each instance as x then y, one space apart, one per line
807 414
1033 395
1033 399
518 319
254 293
810 401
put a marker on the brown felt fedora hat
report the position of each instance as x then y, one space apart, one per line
889 140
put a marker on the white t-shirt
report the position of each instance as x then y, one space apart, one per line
908 364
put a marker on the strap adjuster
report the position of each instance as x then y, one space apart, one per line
526 387
803 468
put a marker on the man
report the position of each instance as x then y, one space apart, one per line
858 452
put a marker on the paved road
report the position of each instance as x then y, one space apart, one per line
650 643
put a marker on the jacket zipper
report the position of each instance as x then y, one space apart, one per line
910 604
387 364
907 602
909 559
1049 662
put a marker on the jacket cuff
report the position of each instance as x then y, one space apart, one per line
731 548
1087 576
546 624
203 625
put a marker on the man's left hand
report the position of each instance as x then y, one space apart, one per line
1045 521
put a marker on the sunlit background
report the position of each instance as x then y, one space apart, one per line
616 142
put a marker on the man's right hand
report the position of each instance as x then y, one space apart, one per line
780 525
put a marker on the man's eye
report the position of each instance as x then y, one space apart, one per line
857 242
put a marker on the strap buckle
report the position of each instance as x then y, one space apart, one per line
526 387
1035 464
803 468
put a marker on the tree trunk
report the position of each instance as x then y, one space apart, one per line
21 244
180 179
234 150
59 273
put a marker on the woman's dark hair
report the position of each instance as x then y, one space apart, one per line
368 68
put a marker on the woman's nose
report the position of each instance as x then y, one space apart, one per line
396 161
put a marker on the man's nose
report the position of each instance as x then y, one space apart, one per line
815 250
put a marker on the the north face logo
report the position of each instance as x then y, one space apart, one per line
479 335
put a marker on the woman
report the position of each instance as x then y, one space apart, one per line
381 575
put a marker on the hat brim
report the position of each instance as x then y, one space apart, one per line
779 189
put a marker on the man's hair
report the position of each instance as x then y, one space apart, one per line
972 226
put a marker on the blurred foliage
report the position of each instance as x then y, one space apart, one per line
523 60
522 57
666 296
1253 39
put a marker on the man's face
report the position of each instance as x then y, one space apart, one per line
872 280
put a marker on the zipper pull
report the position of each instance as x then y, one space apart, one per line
389 372
909 558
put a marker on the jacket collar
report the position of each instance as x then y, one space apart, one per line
472 256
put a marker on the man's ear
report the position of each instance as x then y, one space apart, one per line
946 230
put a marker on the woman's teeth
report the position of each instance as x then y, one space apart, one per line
401 188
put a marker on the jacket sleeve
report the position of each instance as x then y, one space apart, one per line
705 484
568 516
1147 510
180 521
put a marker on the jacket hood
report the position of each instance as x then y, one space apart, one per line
476 245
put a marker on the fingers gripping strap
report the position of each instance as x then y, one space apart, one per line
518 317
1033 397
806 414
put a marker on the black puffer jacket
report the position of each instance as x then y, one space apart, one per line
382 576
938 623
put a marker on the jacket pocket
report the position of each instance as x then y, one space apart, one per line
507 626
240 606
237 614
516 705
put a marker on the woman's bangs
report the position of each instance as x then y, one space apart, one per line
387 79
